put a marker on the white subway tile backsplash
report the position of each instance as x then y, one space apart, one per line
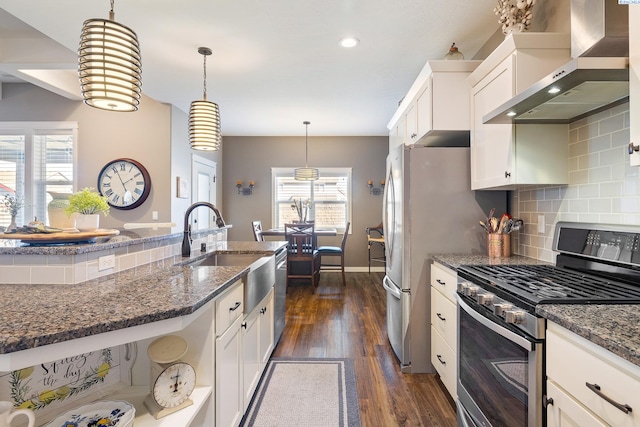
603 187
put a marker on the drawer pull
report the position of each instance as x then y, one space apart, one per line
440 359
235 307
444 319
596 389
263 310
441 282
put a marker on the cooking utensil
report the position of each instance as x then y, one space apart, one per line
484 226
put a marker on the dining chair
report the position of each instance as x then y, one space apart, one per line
335 251
257 231
303 261
375 239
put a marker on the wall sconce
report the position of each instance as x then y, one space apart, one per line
376 191
245 191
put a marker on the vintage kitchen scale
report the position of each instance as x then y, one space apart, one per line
172 380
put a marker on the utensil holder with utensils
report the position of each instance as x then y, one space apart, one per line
498 245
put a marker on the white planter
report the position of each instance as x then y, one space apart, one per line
87 222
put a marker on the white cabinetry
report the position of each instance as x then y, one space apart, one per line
228 360
444 325
257 345
435 110
634 80
504 155
588 385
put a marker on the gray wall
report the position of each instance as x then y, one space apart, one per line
155 135
251 158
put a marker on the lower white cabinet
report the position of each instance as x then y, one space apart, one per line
588 385
444 325
257 345
229 399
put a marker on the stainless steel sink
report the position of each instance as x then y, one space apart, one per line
261 277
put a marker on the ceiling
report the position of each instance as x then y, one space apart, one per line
274 64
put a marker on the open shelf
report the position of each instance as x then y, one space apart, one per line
184 417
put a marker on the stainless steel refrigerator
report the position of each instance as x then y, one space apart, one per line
428 207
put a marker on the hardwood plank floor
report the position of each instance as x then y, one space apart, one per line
350 322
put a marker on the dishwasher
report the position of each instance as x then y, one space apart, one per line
280 292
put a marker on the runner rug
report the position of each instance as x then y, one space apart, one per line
305 392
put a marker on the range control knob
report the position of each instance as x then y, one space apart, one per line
485 299
462 286
500 309
471 291
514 316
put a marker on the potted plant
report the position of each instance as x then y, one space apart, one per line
88 205
12 204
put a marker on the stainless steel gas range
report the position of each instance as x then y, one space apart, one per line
501 371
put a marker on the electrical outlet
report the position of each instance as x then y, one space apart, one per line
106 262
541 224
154 215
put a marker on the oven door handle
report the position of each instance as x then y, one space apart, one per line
506 333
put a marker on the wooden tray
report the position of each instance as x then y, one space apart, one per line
61 237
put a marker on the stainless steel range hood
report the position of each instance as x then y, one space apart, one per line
596 79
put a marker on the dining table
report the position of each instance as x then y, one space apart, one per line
320 232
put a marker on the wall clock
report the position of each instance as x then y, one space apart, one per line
172 380
125 183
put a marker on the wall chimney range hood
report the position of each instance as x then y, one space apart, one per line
596 79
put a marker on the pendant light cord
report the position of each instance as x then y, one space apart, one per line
306 143
204 85
112 15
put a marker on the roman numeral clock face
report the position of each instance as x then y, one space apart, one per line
125 183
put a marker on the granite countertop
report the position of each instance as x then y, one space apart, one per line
454 261
614 327
35 315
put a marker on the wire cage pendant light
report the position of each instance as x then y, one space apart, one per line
204 117
109 65
306 173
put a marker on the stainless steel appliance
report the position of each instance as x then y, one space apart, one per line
428 208
280 293
501 339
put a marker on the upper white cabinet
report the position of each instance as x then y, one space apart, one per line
435 109
634 80
504 155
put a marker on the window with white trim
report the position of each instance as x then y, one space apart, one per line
329 197
35 158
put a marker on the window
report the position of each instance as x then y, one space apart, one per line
330 197
35 158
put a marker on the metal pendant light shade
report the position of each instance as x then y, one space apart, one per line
109 65
204 118
306 173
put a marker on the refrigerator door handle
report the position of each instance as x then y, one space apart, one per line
391 287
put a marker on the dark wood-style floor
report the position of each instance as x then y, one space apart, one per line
350 322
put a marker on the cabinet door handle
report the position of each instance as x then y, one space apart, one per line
235 307
244 325
507 174
440 359
263 310
444 319
440 282
546 401
596 389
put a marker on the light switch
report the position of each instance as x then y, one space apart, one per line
154 215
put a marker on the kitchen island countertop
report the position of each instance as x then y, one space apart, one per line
36 315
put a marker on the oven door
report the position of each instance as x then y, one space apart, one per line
500 371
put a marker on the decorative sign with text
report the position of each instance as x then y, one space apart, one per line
50 387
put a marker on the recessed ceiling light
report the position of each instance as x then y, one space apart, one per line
511 113
554 90
349 42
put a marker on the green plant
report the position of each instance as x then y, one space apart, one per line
12 204
87 202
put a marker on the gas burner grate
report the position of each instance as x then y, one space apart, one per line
549 284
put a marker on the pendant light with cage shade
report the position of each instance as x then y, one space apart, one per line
204 117
306 173
109 65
